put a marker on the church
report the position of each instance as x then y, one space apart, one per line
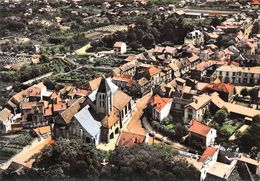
102 114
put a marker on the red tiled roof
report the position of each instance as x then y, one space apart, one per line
27 105
48 111
255 2
82 92
193 58
42 130
204 65
169 49
118 44
59 106
159 49
34 91
199 128
209 152
128 139
158 102
220 87
54 95
153 70
130 58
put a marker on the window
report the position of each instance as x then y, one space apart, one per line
234 74
227 73
220 73
245 74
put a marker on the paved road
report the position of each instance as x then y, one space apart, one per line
135 124
208 11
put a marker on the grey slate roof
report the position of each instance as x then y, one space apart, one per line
87 121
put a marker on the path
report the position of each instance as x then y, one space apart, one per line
135 124
208 11
25 157
32 80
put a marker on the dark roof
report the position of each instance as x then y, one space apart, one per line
103 86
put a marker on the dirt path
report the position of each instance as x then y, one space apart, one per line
25 157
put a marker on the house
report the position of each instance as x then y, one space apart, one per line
201 135
119 48
154 74
175 70
194 38
42 132
203 70
127 139
170 51
128 68
225 91
64 118
194 60
105 112
239 75
36 92
5 120
33 114
160 107
197 108
122 81
236 111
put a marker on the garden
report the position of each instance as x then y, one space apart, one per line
82 75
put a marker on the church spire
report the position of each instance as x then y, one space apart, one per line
104 98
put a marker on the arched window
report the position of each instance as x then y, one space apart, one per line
111 135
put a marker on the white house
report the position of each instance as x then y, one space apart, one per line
119 47
197 108
5 120
194 38
239 75
208 159
200 134
160 107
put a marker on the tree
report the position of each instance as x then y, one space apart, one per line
69 159
154 162
215 22
148 41
244 92
253 93
220 116
250 139
44 58
142 23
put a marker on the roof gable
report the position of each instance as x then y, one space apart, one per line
199 128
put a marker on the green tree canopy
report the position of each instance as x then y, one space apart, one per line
144 162
251 138
71 159
220 116
244 92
